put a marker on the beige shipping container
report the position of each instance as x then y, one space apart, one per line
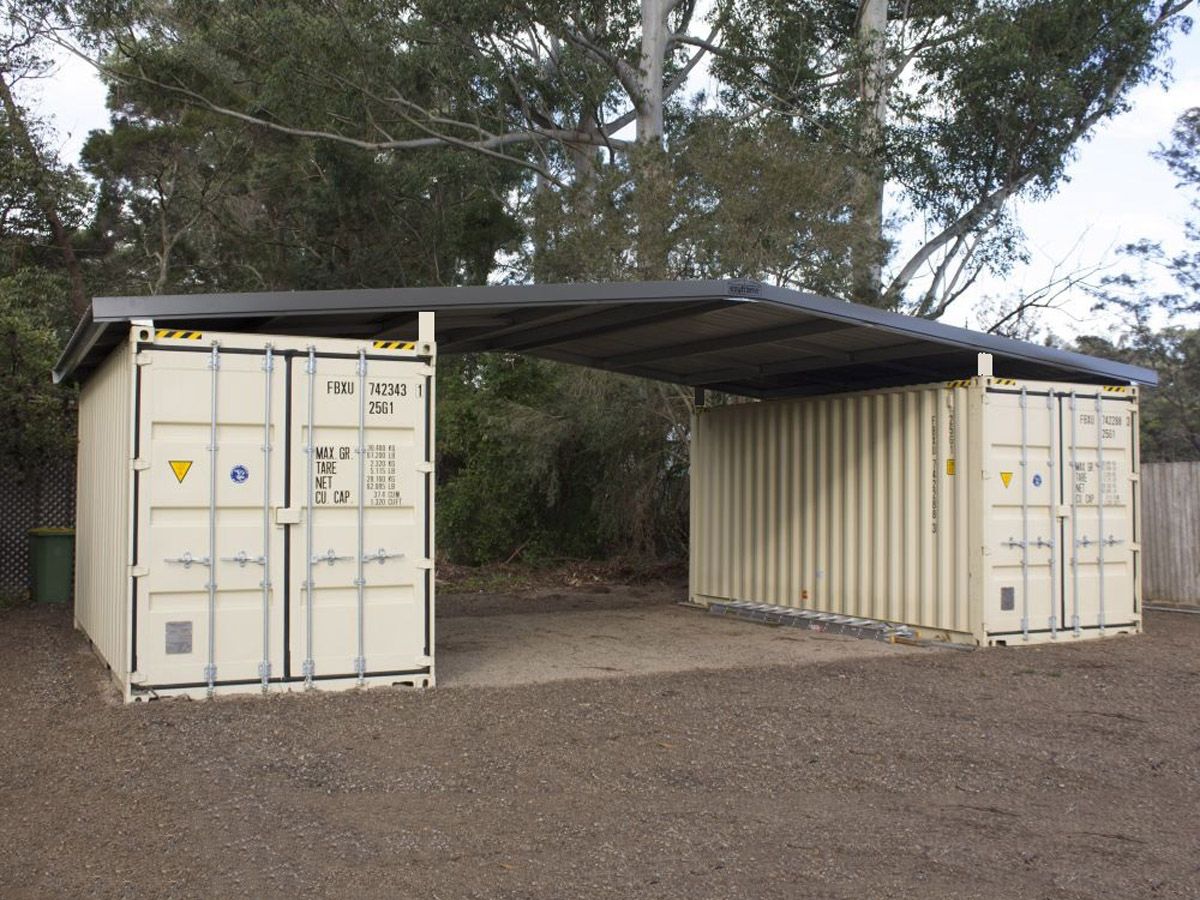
256 513
985 511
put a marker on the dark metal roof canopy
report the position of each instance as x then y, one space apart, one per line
736 336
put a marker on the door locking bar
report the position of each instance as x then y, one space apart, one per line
1100 499
264 667
1024 514
360 581
308 667
1055 528
1075 625
210 670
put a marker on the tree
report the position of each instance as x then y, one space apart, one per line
544 461
976 103
35 320
34 171
962 106
192 201
1171 411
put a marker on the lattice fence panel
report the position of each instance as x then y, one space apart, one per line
46 500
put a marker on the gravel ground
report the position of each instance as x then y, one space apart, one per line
535 647
1049 772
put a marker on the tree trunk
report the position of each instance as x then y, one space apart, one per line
651 168
654 50
45 197
867 253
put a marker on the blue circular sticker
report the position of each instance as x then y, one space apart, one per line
239 474
1037 480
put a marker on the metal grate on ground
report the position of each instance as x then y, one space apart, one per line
811 620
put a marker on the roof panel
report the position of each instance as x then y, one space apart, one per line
739 336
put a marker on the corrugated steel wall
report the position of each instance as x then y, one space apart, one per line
847 504
103 504
1171 532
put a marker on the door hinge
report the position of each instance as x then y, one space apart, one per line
287 515
139 571
424 563
424 660
143 358
425 467
140 465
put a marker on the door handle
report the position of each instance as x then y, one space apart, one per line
329 556
381 556
186 559
241 558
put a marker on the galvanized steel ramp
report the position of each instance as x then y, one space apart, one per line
811 619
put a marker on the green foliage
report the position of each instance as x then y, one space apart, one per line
732 201
25 238
305 144
985 100
547 461
1170 412
962 105
38 416
199 203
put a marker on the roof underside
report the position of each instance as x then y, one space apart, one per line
736 336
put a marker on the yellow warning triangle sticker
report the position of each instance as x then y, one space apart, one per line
182 466
1006 477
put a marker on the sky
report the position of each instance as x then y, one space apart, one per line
1115 191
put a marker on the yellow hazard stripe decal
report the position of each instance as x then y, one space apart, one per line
1116 389
1004 381
394 345
962 382
178 335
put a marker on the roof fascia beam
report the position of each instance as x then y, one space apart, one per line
808 363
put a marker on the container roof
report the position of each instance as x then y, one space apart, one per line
742 337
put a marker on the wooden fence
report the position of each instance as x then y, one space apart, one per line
1171 533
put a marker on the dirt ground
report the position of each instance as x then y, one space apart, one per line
1047 772
526 638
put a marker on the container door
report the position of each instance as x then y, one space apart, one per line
359 555
1022 520
1097 494
208 569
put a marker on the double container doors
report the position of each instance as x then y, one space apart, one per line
1060 512
283 510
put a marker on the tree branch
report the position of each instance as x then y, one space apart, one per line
489 145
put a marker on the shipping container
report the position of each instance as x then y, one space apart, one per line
256 512
983 511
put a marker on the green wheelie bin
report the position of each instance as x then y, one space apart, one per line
51 564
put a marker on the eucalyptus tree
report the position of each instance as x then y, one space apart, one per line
962 106
41 199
